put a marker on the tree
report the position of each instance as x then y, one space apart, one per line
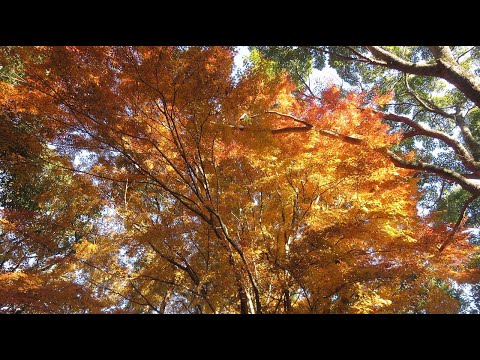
40 215
440 119
221 194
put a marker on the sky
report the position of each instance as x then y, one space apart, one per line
326 75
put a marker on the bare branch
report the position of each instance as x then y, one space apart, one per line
153 307
461 219
465 156
393 61
306 123
464 53
430 106
448 174
365 57
467 136
344 57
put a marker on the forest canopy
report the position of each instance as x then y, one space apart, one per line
168 180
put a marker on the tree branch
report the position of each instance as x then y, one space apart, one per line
366 58
449 69
459 221
464 155
393 61
430 106
464 53
153 307
467 136
306 123
290 129
448 174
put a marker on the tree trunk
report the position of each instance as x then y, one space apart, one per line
287 301
243 300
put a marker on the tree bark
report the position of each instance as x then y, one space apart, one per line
449 69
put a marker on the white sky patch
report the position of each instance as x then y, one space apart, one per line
239 59
326 76
242 54
109 211
419 145
468 297
83 159
437 151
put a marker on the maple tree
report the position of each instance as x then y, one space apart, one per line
40 218
435 105
162 183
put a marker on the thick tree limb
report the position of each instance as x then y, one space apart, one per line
291 129
393 61
449 69
349 139
467 136
445 67
465 156
448 174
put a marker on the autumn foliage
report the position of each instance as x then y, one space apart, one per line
162 183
